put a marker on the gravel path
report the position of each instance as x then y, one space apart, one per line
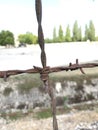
66 122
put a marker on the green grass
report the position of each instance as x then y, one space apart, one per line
76 76
43 114
46 113
7 91
86 106
12 116
29 82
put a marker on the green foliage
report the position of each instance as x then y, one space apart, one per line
96 38
27 38
68 35
25 87
79 34
6 38
46 113
86 33
7 91
60 34
91 33
65 99
75 32
28 84
54 35
12 116
47 40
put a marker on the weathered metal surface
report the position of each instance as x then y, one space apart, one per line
45 70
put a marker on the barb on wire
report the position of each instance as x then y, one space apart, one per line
76 66
47 70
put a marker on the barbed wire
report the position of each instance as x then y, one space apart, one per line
45 70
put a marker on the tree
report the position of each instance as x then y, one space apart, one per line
21 38
48 40
27 38
91 32
68 35
79 34
60 34
54 35
6 38
75 32
96 38
86 33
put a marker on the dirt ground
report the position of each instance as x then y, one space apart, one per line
65 122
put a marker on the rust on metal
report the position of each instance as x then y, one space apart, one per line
45 70
38 8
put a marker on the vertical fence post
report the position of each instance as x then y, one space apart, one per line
44 76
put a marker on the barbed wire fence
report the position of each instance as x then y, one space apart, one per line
45 70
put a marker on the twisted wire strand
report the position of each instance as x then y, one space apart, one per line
38 10
38 6
44 73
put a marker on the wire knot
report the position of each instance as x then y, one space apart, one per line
44 73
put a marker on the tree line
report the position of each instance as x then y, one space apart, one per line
75 35
7 37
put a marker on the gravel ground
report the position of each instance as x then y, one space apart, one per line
69 121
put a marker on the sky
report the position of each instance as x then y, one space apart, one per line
19 17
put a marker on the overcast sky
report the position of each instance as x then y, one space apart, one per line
19 16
